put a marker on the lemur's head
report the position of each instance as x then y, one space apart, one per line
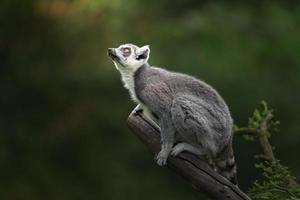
129 57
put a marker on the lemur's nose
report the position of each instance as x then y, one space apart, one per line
110 51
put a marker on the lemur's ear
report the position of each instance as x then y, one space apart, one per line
143 52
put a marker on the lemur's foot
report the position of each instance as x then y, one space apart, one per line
180 147
162 157
177 149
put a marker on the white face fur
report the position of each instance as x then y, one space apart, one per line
129 57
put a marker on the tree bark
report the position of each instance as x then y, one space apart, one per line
192 168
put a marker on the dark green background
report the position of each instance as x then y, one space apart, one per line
63 132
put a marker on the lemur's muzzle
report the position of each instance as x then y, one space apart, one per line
112 53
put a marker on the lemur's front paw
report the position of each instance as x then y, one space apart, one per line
162 157
138 110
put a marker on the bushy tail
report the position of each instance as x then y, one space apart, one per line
225 164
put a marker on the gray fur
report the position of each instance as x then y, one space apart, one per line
186 109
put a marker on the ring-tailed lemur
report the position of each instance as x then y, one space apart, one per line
191 115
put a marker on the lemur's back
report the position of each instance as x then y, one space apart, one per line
184 85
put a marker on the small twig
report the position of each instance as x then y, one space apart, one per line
246 131
260 156
263 138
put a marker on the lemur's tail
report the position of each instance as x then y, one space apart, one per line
225 164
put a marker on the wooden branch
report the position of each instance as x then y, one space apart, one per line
193 169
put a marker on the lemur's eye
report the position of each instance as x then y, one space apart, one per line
126 51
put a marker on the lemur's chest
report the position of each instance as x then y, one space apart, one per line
129 83
134 81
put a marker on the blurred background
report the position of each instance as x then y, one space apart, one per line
63 132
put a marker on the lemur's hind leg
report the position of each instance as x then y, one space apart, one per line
180 147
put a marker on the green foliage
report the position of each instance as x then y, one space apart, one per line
263 119
277 183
